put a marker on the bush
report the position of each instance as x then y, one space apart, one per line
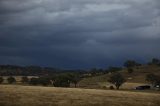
62 80
130 70
74 78
11 80
34 81
1 80
117 79
24 79
44 81
111 87
40 81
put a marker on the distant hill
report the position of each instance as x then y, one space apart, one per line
138 76
12 70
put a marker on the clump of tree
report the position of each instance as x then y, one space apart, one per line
1 80
75 78
34 81
40 81
58 80
13 70
24 79
65 79
96 71
114 69
131 63
130 70
11 80
44 81
117 79
62 80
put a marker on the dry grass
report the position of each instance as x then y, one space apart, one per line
125 86
16 95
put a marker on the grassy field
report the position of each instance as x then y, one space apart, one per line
17 95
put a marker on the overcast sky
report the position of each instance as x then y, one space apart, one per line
78 33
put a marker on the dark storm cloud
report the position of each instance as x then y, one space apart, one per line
74 34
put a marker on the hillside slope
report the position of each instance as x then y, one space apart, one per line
133 79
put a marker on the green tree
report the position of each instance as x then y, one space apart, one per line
11 80
75 78
44 81
61 80
131 63
1 80
24 79
34 81
117 79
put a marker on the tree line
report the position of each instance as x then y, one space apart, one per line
13 70
60 80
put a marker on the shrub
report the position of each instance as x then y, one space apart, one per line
1 80
130 70
34 81
11 80
44 81
62 80
111 87
24 79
